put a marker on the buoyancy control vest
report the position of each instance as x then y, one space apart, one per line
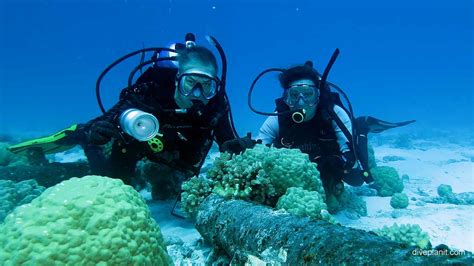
315 137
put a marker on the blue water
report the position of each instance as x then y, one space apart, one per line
399 60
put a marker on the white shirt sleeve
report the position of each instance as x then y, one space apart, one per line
341 138
269 130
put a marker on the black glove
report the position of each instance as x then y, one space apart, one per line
236 146
348 161
343 162
75 136
101 132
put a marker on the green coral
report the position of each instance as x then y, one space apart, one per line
445 190
236 176
301 202
92 220
290 168
194 192
399 201
408 234
263 174
8 158
14 194
386 181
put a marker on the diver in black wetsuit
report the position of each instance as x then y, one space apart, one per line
171 115
190 106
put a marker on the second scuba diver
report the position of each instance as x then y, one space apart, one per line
311 117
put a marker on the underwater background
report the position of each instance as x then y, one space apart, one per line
399 61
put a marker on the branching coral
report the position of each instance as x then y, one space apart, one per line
301 202
194 192
263 174
409 234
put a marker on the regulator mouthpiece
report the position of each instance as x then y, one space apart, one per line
138 124
190 40
298 116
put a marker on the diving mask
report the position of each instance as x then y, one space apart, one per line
198 84
301 95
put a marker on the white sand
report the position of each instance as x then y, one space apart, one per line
185 244
427 168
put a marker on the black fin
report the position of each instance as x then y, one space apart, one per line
366 124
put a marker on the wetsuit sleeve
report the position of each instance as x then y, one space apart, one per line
82 134
128 99
341 138
112 113
268 132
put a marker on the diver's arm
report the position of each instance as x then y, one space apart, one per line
346 160
115 111
268 132
133 97
97 131
102 129
341 138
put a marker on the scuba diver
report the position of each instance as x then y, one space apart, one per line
171 115
311 117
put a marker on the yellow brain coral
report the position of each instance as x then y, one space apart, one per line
83 221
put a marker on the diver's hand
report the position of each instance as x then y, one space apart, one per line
347 161
101 132
329 162
343 162
236 146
